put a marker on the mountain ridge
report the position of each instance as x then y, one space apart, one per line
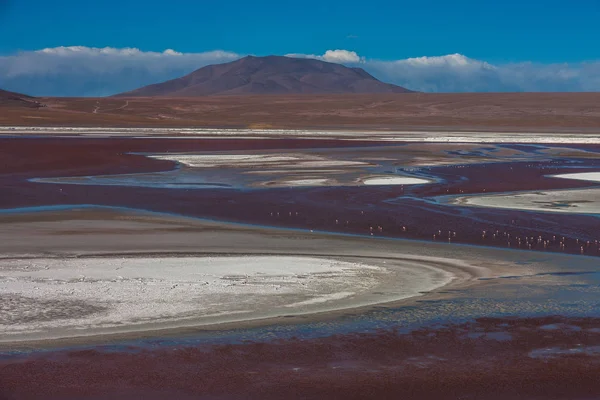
269 75
18 100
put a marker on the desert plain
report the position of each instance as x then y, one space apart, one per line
528 112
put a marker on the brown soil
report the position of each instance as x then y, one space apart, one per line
481 111
17 100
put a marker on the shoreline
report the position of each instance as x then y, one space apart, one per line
141 213
417 135
463 275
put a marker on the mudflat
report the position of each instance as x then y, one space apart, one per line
77 273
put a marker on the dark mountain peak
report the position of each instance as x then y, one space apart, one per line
5 94
18 100
270 75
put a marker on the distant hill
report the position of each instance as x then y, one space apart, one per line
12 99
270 75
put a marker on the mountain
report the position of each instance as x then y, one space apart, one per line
12 99
269 75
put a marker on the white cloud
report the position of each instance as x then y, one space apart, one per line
451 60
450 73
86 71
95 51
332 56
90 71
341 56
457 73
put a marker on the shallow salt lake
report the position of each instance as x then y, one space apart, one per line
236 171
577 201
582 176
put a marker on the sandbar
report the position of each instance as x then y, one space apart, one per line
394 180
88 275
573 201
582 176
52 296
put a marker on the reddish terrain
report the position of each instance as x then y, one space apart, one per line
480 111
17 100
509 358
492 358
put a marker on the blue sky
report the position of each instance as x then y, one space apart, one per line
495 31
93 48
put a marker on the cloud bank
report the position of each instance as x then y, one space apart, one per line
86 71
457 73
332 56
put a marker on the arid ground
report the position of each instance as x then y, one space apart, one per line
578 112
137 266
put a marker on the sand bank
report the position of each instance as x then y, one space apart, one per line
582 176
306 182
53 296
432 136
295 161
83 273
394 180
576 201
61 297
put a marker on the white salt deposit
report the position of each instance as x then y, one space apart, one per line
138 290
394 180
579 201
399 136
582 176
322 299
295 161
224 160
327 164
55 297
305 182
